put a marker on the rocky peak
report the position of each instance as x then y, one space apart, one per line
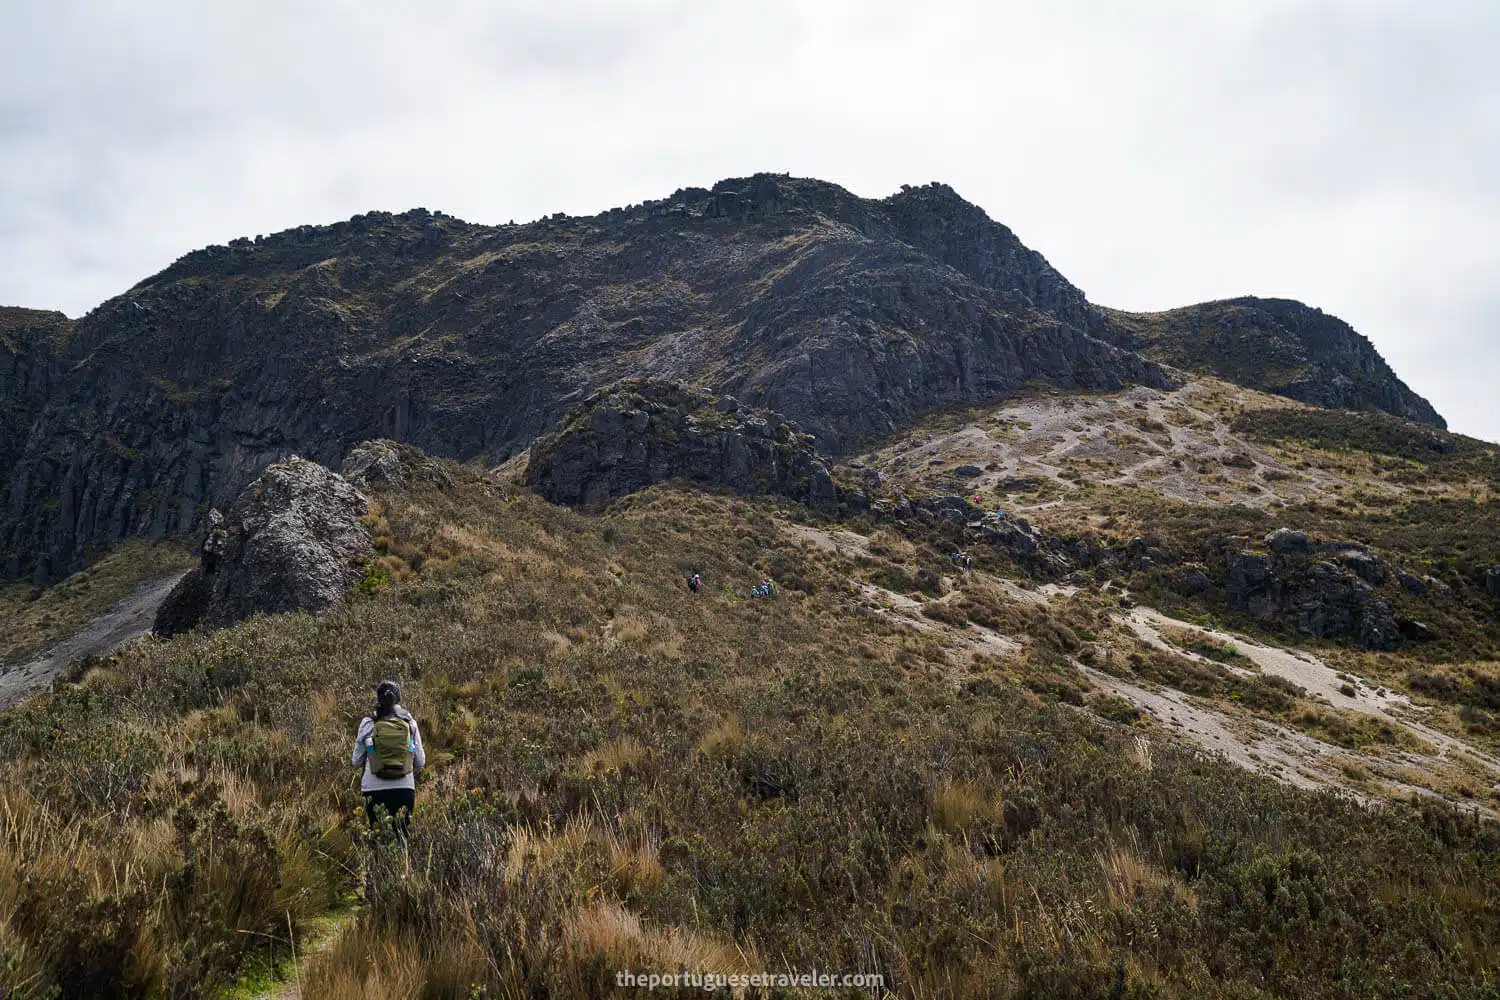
1275 345
850 316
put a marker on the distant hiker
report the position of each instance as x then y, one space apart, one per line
695 583
389 746
968 562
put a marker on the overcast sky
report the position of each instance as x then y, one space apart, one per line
1341 152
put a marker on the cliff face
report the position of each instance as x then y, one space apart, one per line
469 341
1275 345
28 369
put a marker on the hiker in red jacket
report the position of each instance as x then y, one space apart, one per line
389 747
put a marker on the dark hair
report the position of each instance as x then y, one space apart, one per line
387 697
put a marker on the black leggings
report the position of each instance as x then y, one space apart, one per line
399 802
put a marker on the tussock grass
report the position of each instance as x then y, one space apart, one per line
624 774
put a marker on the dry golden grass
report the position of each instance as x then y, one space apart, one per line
791 778
961 805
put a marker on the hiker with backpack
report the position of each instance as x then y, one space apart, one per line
695 583
389 747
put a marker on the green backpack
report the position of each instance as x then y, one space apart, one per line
393 749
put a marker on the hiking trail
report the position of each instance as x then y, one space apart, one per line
129 619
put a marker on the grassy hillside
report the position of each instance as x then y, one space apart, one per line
624 775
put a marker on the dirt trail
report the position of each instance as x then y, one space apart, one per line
320 934
831 540
1276 753
127 620
907 611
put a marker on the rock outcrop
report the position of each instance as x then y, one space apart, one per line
636 433
292 541
390 465
1327 589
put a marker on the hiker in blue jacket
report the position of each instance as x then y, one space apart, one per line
389 747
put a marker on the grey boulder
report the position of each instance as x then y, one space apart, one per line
292 541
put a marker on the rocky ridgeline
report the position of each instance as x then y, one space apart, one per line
850 316
292 541
636 433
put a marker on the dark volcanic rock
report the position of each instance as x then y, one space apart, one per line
1253 585
293 541
1364 563
1194 582
1324 599
636 433
28 371
470 341
1415 631
1275 345
850 316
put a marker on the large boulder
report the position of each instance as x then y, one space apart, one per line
292 541
1285 541
639 432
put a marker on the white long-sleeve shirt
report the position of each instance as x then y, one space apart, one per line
368 782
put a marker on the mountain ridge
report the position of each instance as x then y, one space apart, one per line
850 316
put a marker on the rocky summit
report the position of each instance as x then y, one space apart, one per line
850 316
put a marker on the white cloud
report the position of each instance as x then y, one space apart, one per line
1337 151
